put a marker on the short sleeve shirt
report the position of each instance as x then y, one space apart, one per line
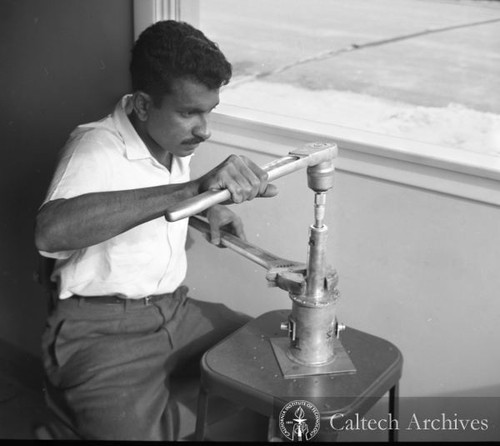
148 259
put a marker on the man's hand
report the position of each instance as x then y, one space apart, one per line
241 177
220 217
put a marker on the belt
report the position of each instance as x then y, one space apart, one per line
109 300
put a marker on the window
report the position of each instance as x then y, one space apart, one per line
421 70
404 80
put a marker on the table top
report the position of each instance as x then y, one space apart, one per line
245 366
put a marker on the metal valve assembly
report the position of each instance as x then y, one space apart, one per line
313 344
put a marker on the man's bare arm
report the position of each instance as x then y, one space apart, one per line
85 220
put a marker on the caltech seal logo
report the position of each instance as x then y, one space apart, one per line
299 420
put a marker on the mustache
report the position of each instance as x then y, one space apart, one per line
190 142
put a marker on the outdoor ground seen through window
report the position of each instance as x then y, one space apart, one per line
426 70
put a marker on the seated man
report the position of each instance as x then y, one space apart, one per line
123 322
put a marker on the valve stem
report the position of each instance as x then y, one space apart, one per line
319 209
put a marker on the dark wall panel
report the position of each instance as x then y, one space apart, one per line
62 63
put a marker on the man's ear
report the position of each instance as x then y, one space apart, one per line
141 102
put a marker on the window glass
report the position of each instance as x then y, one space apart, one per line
425 70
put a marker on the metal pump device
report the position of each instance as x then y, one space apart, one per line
313 344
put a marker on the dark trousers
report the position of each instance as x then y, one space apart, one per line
109 366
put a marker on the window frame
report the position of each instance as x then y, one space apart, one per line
147 12
454 172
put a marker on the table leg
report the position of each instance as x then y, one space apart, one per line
393 411
272 435
201 414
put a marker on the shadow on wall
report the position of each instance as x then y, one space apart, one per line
65 62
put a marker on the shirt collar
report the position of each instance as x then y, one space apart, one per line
134 145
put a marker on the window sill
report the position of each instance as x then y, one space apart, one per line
459 173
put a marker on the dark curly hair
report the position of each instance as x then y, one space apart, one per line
169 50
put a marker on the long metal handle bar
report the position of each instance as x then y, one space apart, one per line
310 155
244 248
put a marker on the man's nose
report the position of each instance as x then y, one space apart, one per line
202 130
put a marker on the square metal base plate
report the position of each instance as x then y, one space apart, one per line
341 362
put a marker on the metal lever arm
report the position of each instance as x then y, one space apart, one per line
288 275
254 253
310 155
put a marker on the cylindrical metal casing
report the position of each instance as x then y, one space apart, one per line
314 334
316 263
